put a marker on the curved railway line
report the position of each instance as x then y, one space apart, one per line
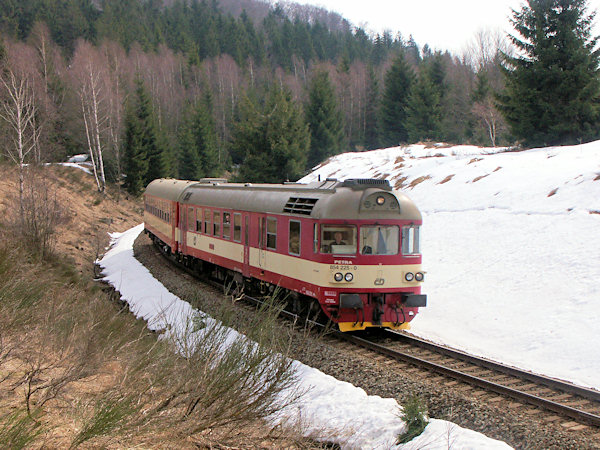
575 407
555 396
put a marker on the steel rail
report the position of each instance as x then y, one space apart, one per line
590 394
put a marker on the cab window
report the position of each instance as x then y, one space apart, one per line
411 240
338 239
379 240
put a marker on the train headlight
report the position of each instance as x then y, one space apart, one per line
409 276
380 200
338 277
348 277
419 276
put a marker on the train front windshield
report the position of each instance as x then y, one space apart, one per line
338 239
379 240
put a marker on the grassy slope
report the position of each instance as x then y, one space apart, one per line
74 366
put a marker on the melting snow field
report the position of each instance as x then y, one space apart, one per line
511 247
330 410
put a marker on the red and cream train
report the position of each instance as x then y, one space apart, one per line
351 247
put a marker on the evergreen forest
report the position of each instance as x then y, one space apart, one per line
262 92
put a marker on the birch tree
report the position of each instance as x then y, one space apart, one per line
18 110
89 80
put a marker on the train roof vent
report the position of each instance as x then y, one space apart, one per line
212 181
363 183
299 205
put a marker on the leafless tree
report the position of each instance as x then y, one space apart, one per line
18 110
50 68
487 113
88 72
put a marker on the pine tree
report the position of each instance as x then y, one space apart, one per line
324 120
274 136
552 86
398 81
423 112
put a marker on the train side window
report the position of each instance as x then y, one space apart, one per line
237 227
199 221
271 233
226 225
191 219
294 238
261 232
315 238
411 240
207 221
216 223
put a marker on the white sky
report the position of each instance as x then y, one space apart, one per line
443 24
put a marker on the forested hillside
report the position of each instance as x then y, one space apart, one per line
192 88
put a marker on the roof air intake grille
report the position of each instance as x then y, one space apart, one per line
362 183
298 205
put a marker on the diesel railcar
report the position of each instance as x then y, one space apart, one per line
350 248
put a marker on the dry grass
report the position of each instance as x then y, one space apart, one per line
445 180
76 368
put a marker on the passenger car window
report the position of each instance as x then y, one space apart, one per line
207 221
271 233
191 219
237 227
294 238
216 223
226 225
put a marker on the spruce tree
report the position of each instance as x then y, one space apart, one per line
134 152
371 116
273 136
146 157
398 81
189 159
552 85
423 112
206 138
324 120
154 144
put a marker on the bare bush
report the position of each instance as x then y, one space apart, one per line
42 214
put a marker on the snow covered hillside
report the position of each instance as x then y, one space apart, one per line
511 246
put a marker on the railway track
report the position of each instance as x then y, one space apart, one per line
555 398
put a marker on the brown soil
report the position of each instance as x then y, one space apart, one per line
91 215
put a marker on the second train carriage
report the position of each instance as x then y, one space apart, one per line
351 246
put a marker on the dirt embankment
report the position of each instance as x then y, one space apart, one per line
90 215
